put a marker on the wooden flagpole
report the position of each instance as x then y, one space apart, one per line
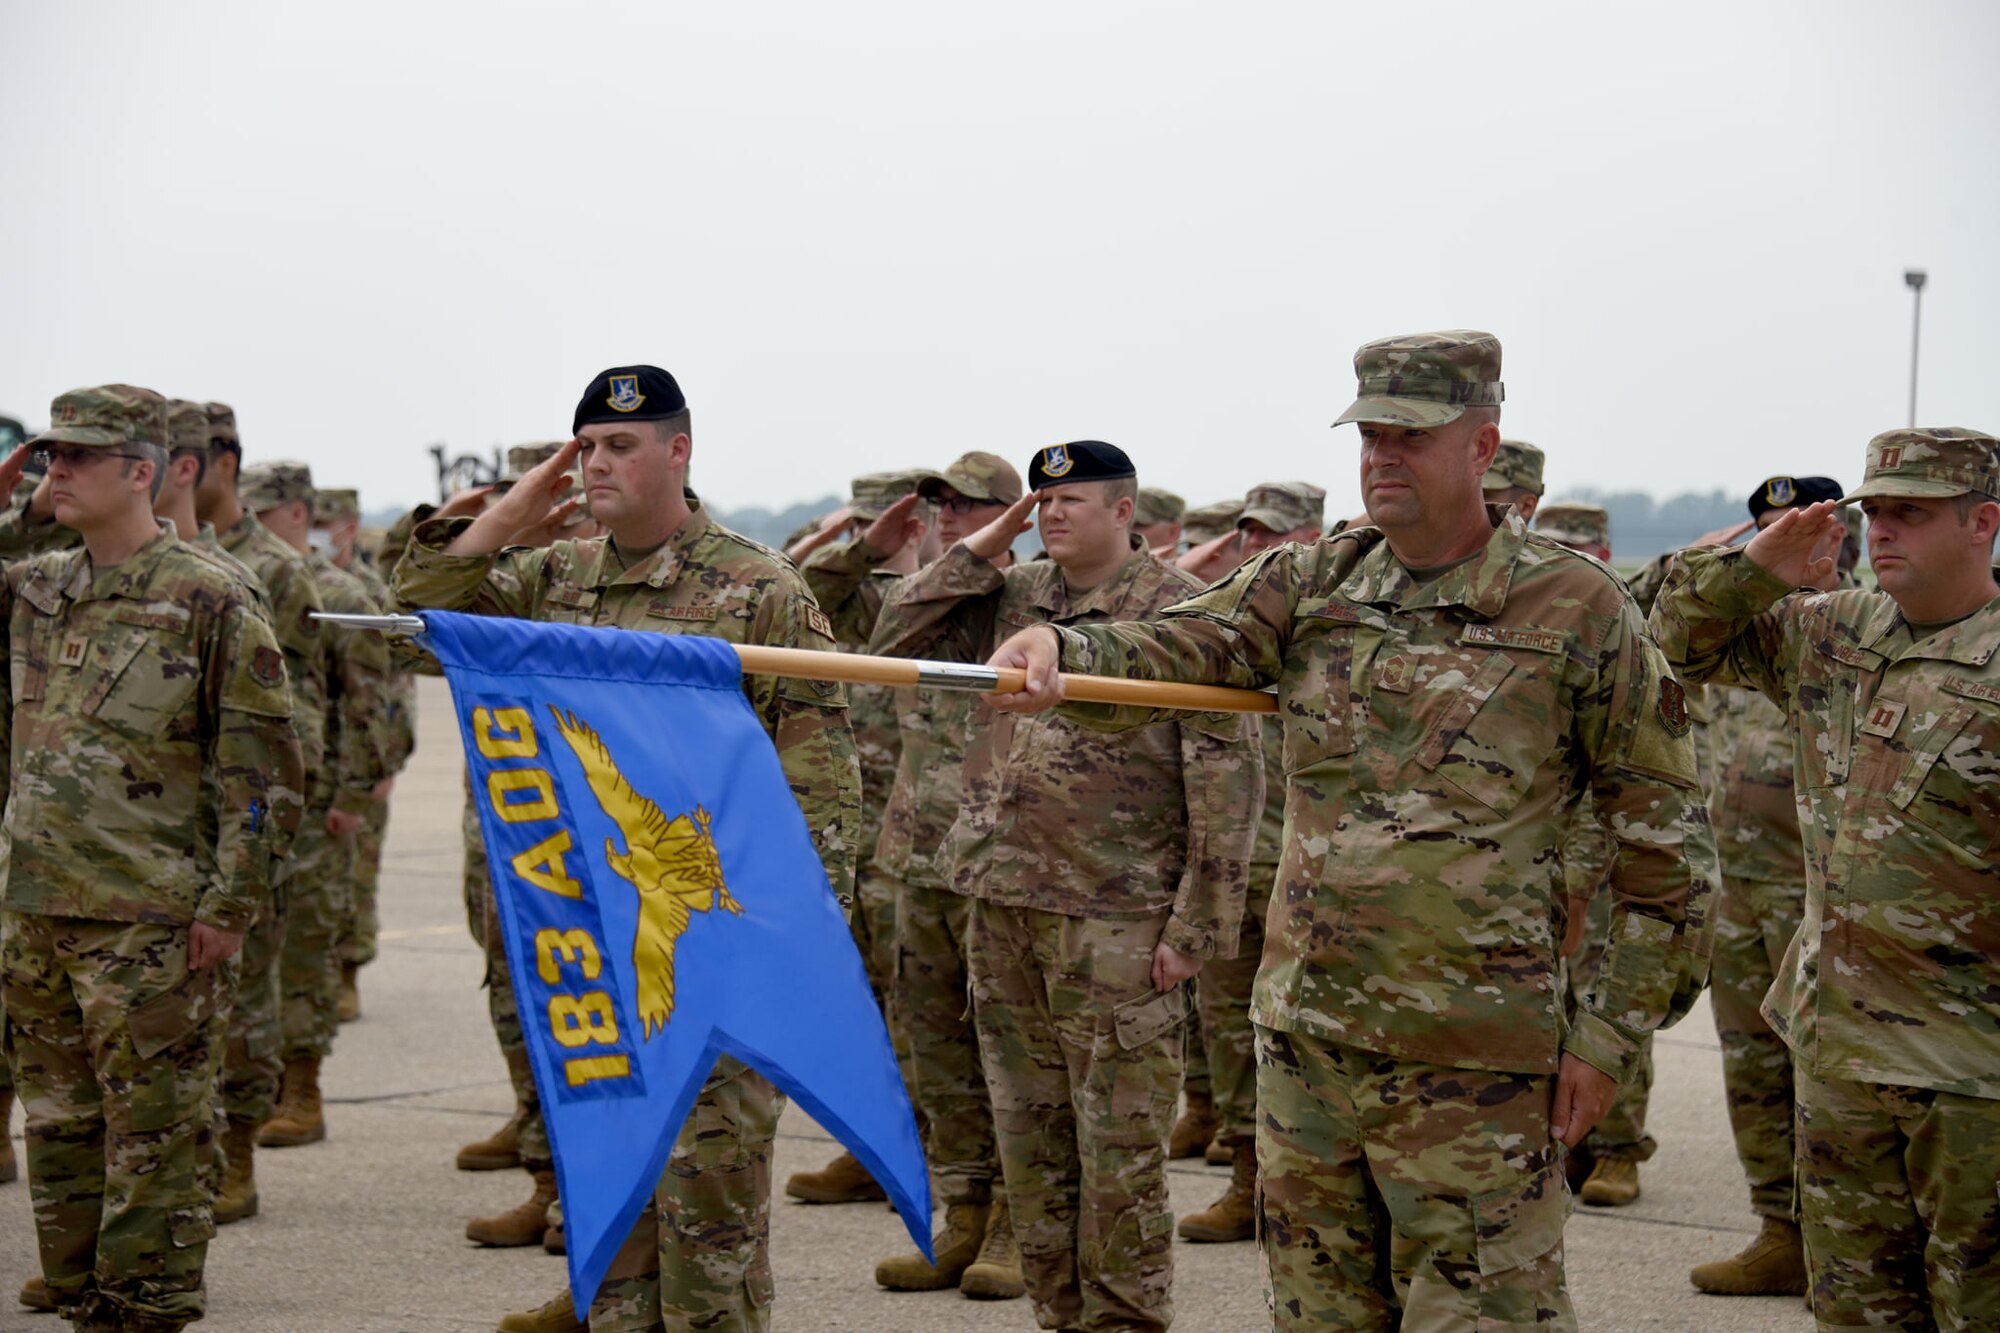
860 669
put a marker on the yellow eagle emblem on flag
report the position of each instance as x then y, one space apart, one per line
671 862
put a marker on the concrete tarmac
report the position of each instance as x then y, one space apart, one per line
364 1233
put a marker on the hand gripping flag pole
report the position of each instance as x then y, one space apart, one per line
859 669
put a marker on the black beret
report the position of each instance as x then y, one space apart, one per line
628 393
1790 492
1079 460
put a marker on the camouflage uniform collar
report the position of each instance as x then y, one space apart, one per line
1479 585
1107 598
133 577
241 531
659 569
1970 642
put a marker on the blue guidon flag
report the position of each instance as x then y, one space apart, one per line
662 904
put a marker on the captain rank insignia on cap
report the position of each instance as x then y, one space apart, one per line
625 395
1891 459
1056 461
1779 492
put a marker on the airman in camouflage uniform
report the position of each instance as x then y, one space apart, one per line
1889 994
1210 521
1284 511
1157 520
1515 478
1604 1168
1449 684
668 568
253 1062
1104 870
153 778
320 887
1755 812
871 713
975 1250
337 516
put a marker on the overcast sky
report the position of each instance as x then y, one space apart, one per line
874 235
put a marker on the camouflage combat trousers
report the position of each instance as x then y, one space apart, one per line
6 1061
708 1263
873 923
316 909
364 920
1754 924
116 1045
1222 993
475 880
251 1059
1622 1131
1899 1204
506 1017
947 1082
1083 1061
1395 1195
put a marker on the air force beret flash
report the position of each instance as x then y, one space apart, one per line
1079 460
629 393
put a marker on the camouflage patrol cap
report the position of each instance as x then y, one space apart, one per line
222 425
1425 379
873 492
104 415
1930 463
524 458
187 425
1574 524
337 504
1157 506
267 485
1210 521
1284 505
977 474
1517 465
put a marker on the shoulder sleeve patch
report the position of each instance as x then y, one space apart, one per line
1673 707
267 667
817 619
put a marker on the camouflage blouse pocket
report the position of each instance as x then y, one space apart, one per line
1316 696
148 678
1951 785
1492 734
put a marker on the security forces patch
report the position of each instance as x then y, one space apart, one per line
1779 492
817 619
625 395
267 668
1673 707
1056 461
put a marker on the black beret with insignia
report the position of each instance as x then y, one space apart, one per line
1079 460
628 393
1791 492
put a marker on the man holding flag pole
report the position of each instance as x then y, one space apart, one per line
667 568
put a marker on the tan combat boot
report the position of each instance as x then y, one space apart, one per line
1234 1215
1219 1153
996 1274
555 1317
956 1246
843 1180
300 1118
500 1151
350 992
237 1199
1774 1264
1195 1130
10 1168
1613 1183
523 1224
35 1295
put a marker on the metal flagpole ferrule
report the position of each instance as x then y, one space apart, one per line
958 676
396 626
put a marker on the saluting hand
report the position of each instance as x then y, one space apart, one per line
897 527
11 468
1801 546
532 501
1724 536
1037 652
1215 558
998 536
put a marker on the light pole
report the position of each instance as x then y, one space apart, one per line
1914 278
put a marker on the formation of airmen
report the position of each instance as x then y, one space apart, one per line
1394 957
